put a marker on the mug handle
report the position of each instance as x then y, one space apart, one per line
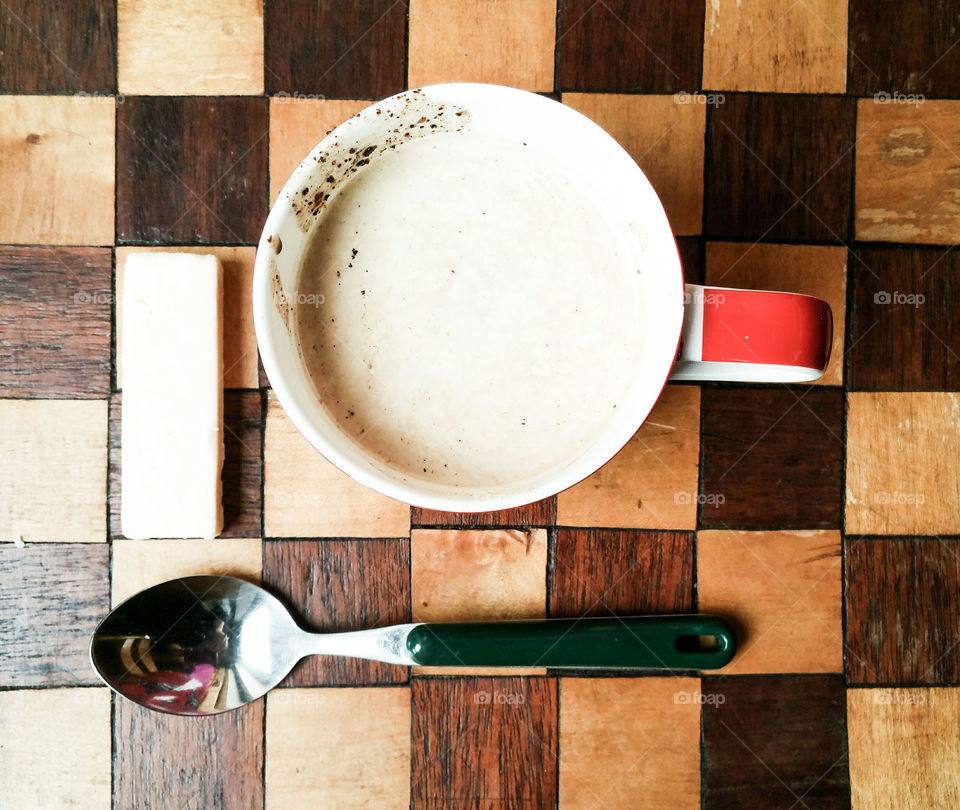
752 336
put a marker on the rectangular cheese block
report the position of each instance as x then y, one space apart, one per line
172 401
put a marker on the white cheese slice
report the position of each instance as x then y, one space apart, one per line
172 404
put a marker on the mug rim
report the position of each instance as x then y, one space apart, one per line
463 499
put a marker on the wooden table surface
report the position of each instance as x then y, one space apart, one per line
803 146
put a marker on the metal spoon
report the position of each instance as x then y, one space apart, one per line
209 644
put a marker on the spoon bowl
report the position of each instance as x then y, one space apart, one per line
208 644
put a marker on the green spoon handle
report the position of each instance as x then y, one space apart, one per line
635 642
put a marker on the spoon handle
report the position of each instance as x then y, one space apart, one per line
675 642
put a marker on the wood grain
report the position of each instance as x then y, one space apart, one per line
817 270
652 482
539 513
906 180
205 163
54 598
774 742
242 473
772 457
783 593
664 135
691 258
338 748
50 57
57 161
54 470
304 495
600 572
904 750
757 173
507 42
55 320
484 742
172 47
161 761
620 46
239 336
903 610
340 51
909 49
776 46
341 585
903 463
473 576
910 293
32 727
296 126
138 564
630 743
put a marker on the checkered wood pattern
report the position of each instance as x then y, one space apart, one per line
810 146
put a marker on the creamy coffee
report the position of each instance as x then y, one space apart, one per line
466 311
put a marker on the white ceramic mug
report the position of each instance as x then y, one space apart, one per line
684 332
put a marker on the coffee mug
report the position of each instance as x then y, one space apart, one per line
468 297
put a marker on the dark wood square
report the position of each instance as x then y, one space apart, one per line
336 50
191 169
691 258
780 167
161 760
903 610
904 48
598 572
335 585
58 47
775 742
774 455
54 596
910 293
55 312
540 513
484 742
242 474
623 46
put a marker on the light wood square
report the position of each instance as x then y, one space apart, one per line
57 157
820 271
630 743
776 46
344 748
296 126
907 187
304 495
239 336
138 564
664 135
904 748
55 749
508 42
475 576
903 463
782 590
53 468
190 47
652 483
